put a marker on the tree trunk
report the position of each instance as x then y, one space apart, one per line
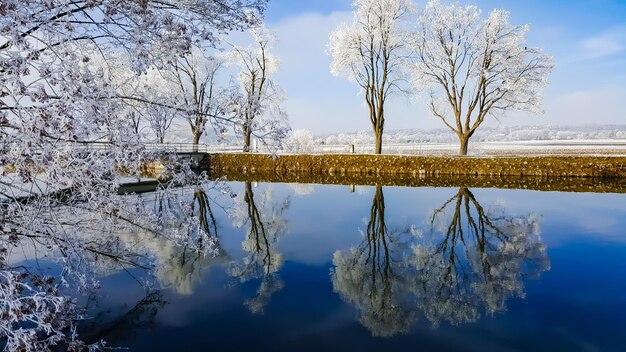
248 197
378 127
246 138
464 143
196 140
379 142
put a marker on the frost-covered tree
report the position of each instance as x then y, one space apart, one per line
160 120
196 81
114 72
256 105
154 103
174 241
300 141
370 51
54 187
185 90
475 67
33 300
85 244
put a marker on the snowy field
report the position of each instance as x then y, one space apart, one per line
551 147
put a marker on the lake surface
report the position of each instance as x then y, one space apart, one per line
324 267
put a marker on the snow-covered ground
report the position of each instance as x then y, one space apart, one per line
585 139
590 139
553 147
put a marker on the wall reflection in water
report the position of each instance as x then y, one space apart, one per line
466 260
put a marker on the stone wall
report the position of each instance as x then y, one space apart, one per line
420 166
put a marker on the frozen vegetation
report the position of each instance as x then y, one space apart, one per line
82 72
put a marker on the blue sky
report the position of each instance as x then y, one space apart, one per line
587 39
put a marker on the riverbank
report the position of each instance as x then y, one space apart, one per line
546 184
597 167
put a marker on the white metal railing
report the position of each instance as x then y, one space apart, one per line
165 147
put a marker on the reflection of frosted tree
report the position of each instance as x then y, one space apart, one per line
182 264
33 315
265 222
471 260
87 242
190 219
481 260
34 312
113 324
368 277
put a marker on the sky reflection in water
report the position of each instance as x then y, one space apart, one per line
311 267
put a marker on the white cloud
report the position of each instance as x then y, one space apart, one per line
316 100
606 44
600 106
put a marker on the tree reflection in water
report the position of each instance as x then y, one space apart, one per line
114 325
371 278
475 259
265 222
170 241
184 264
469 259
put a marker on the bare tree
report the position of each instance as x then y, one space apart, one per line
474 68
256 106
370 52
196 79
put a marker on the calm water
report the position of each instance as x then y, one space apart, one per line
312 267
